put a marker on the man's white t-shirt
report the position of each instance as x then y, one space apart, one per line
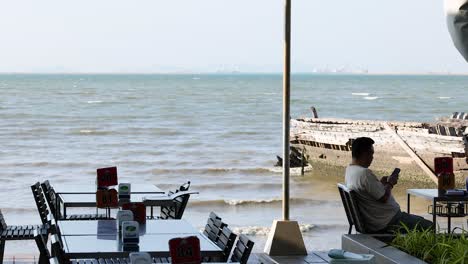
369 190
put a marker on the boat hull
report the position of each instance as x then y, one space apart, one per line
329 141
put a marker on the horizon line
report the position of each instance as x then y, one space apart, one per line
241 73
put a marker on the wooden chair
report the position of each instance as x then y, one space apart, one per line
242 250
51 199
175 211
351 209
225 242
15 232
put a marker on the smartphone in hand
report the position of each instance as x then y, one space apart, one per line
393 178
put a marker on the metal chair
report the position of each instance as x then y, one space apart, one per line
225 242
176 210
44 253
184 187
40 202
213 227
51 199
242 250
351 209
15 232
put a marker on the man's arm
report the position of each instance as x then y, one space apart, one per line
388 191
388 188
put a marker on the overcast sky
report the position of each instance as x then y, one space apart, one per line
209 35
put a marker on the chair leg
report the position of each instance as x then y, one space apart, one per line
2 249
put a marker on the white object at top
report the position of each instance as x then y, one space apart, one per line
140 258
456 12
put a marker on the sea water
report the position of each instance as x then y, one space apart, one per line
221 132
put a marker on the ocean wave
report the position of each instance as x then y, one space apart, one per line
292 171
241 185
18 210
360 94
49 164
242 133
94 102
444 97
212 171
264 231
92 132
371 97
241 202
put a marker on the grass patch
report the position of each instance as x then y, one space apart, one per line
433 248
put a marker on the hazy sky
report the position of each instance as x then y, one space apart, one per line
209 35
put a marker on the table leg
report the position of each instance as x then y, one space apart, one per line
449 224
434 225
408 203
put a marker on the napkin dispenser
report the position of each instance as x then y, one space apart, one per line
124 191
140 258
122 216
130 233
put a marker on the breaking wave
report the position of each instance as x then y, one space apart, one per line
241 202
264 231
360 94
255 171
371 97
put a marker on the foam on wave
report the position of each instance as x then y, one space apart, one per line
264 231
242 202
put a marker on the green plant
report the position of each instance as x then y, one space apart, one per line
433 248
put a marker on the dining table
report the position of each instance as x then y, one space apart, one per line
84 195
439 199
101 238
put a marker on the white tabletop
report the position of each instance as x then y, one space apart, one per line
109 227
433 194
83 238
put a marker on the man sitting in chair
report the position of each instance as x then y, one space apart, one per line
379 210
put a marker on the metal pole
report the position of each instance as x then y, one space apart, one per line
286 114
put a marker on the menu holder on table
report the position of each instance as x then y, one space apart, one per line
185 250
443 168
106 198
106 177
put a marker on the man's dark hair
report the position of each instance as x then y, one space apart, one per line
360 146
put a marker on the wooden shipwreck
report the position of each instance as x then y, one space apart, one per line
411 146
